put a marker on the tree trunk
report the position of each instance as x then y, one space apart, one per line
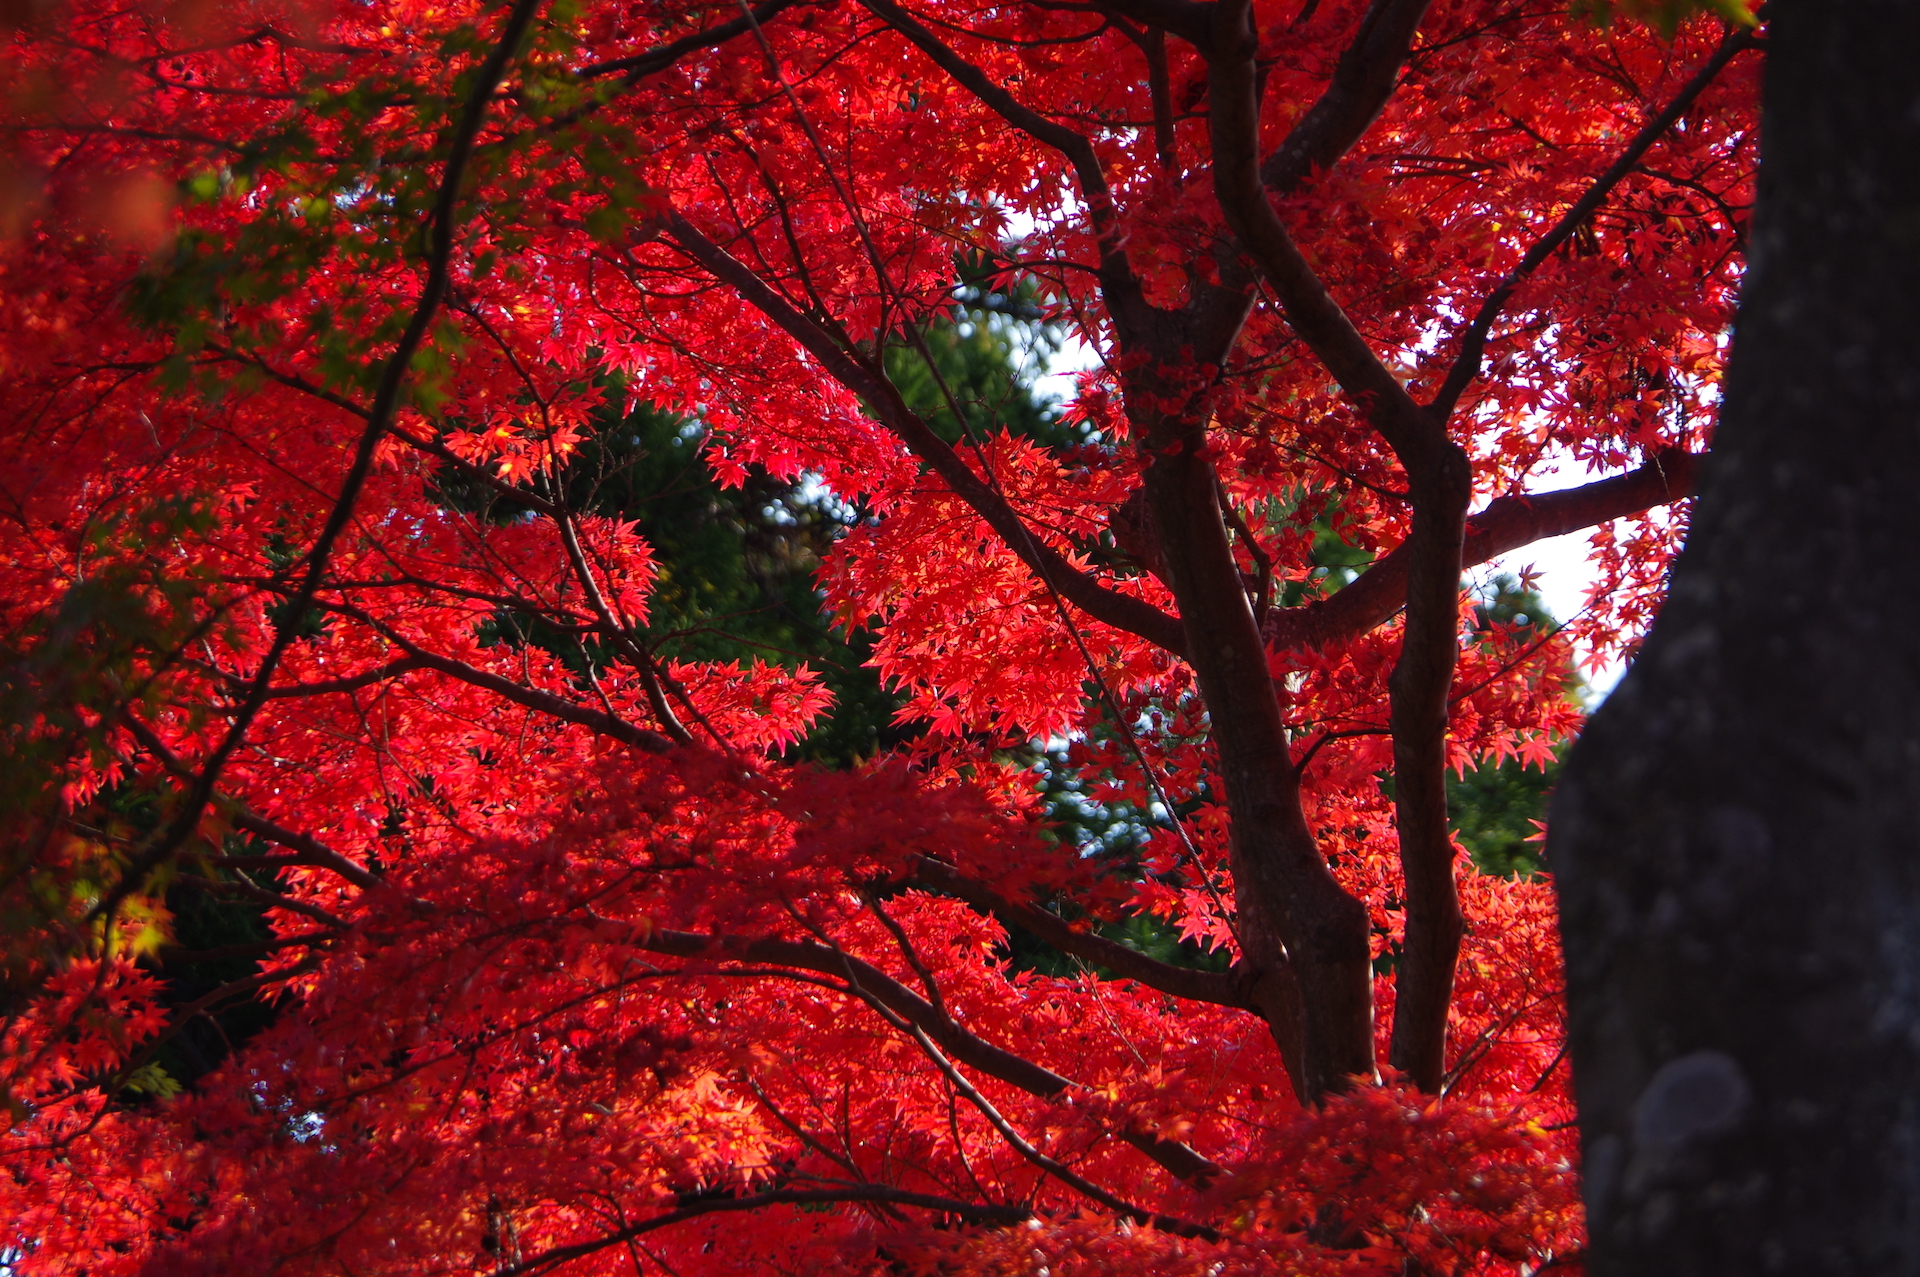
1737 839
1303 936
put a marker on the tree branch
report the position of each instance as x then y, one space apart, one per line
1181 982
432 447
1508 523
976 1052
351 683
1109 606
1126 963
386 400
986 1214
271 899
1363 81
1466 365
1052 1166
309 851
1419 708
654 61
1189 20
531 697
175 953
1118 283
1311 311
1439 481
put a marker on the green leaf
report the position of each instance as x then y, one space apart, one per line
151 1079
1664 16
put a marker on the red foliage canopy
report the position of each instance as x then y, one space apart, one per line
572 971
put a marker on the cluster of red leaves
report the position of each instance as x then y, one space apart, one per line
507 1030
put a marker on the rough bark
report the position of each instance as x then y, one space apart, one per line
1735 837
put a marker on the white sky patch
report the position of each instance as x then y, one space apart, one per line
1564 574
1055 379
1057 382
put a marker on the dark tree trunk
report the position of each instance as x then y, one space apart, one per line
1737 839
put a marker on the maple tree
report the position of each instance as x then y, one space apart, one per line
328 324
